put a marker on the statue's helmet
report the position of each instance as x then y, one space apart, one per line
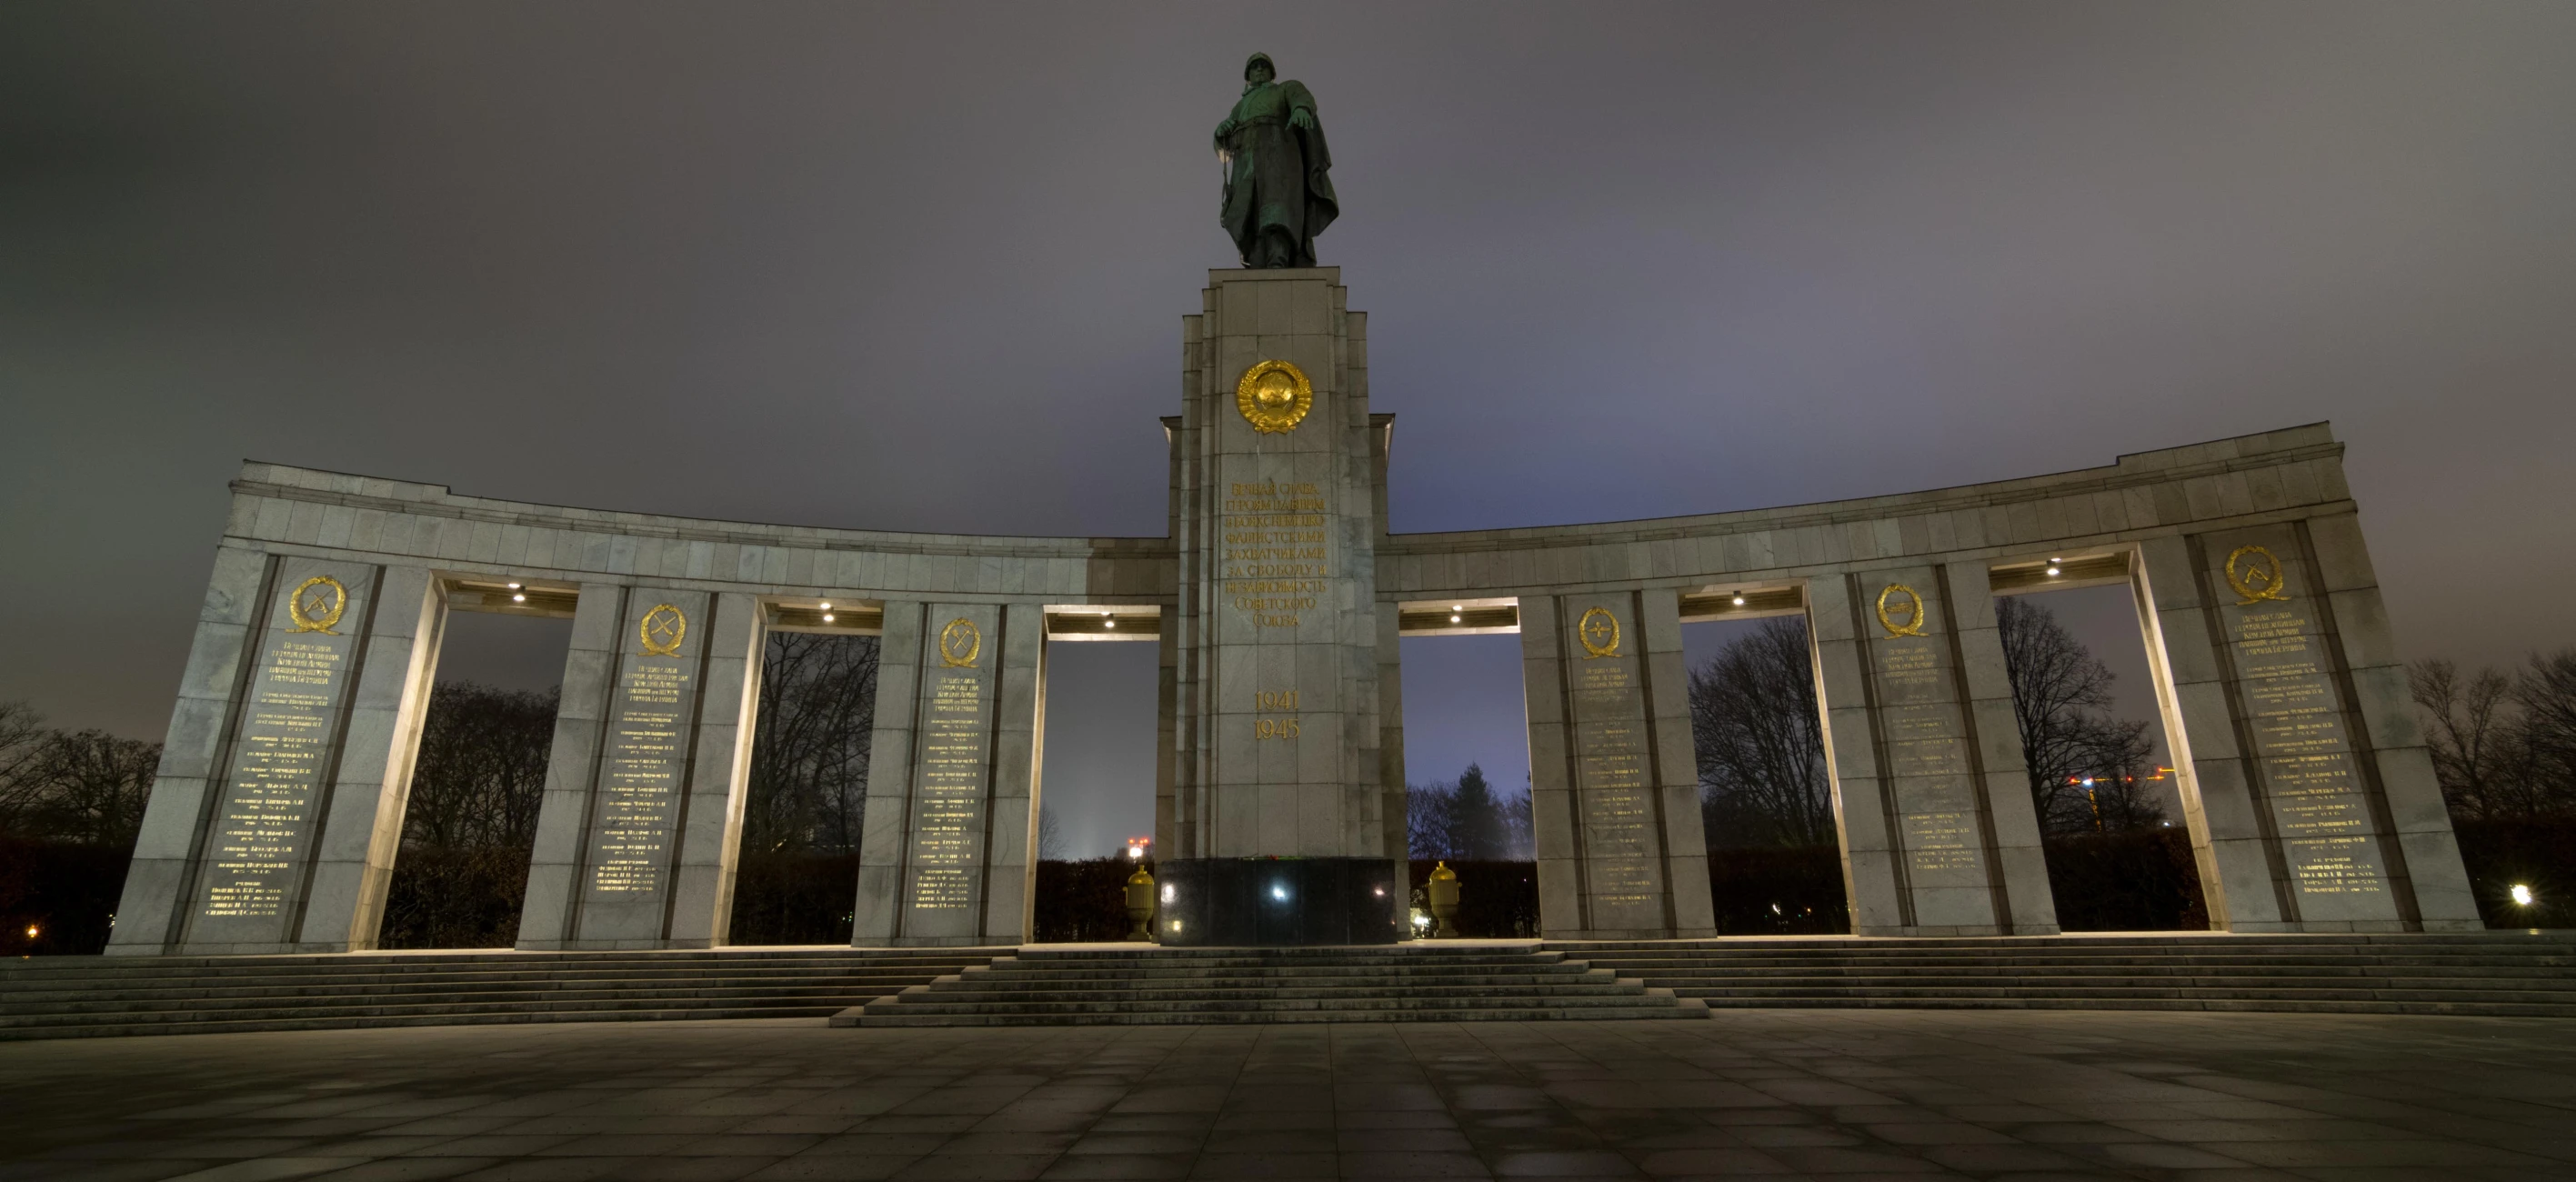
1259 59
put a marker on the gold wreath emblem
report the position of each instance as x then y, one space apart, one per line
316 605
2259 577
1912 606
1274 396
661 630
959 642
1599 632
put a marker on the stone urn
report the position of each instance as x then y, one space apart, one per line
1444 901
1140 905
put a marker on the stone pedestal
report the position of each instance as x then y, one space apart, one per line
1275 649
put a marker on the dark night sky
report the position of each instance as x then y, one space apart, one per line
922 268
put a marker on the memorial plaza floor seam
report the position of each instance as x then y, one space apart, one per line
1836 1094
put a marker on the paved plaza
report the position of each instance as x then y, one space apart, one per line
1782 1093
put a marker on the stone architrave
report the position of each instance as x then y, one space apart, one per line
1614 790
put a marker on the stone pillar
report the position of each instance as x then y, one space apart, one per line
241 860
563 814
2228 838
158 886
644 703
1944 815
2420 823
710 832
2314 804
362 827
1395 830
2020 861
1277 744
944 858
1871 883
1614 790
884 832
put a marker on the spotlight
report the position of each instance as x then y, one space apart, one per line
1453 617
1167 897
2052 572
1113 622
520 597
826 605
1457 607
513 586
2521 896
1739 601
827 617
31 931
1278 892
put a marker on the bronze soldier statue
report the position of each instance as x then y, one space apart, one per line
1278 195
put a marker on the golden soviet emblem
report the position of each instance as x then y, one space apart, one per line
662 630
2255 575
1274 396
1910 607
959 643
316 605
1599 632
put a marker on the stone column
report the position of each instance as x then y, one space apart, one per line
362 824
1614 791
2420 821
1871 882
248 875
158 885
944 857
563 814
1938 799
2228 837
1019 729
885 828
710 831
625 819
2319 813
2020 861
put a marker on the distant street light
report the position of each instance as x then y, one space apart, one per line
2521 895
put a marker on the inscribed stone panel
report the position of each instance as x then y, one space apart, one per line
283 751
1614 775
643 767
944 885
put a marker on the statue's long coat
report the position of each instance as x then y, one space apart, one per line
1278 173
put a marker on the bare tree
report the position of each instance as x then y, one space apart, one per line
2085 767
23 738
481 774
1050 836
1760 742
2475 735
809 760
2546 691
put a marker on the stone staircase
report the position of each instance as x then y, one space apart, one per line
1146 985
2494 973
65 997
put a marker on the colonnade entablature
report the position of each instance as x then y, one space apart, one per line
275 822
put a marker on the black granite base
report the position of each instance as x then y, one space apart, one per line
1277 902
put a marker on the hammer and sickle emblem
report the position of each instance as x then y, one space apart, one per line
316 605
1910 607
1599 632
959 643
1274 396
2255 575
662 629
